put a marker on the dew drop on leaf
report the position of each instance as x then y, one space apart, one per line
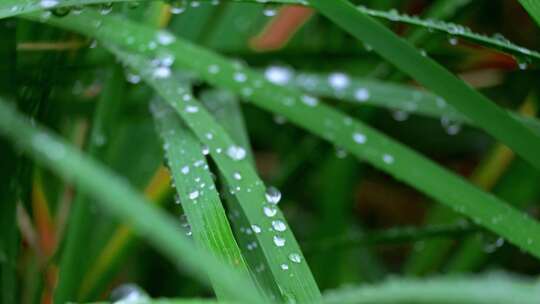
295 258
279 225
273 196
279 241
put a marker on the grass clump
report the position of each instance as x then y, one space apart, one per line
132 170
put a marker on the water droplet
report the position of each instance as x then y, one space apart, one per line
338 81
106 8
191 109
240 77
441 103
128 294
185 169
213 69
269 211
361 94
295 258
205 150
236 152
359 138
310 100
279 225
133 78
194 195
284 266
165 38
270 10
161 72
388 159
452 127
273 196
178 6
48 3
237 176
278 75
256 229
279 241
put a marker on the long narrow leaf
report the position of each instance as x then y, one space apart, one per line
358 138
274 238
433 76
197 193
495 289
118 198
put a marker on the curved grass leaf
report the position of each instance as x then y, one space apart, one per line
433 76
486 175
224 107
359 139
118 198
278 244
197 192
455 30
493 289
388 95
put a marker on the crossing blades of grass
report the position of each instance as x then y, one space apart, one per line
196 191
492 289
223 105
306 111
118 198
533 7
433 76
270 230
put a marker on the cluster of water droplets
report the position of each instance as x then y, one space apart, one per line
455 30
59 10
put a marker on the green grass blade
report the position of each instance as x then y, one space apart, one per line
81 220
224 107
377 149
433 76
472 253
392 96
118 198
455 30
493 289
294 278
197 192
440 10
533 7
